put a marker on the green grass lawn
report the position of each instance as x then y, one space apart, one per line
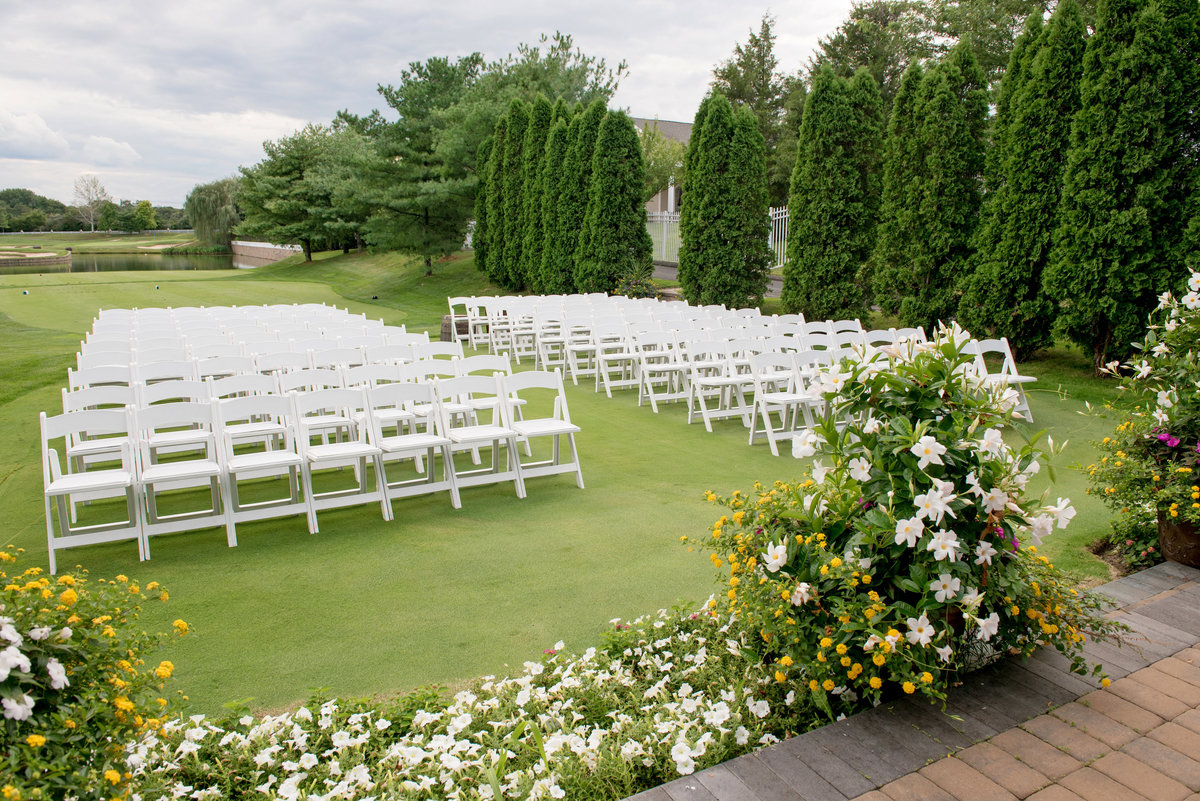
439 595
92 243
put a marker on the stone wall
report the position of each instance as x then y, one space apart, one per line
264 250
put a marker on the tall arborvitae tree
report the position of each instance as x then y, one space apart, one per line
1015 77
710 239
576 183
558 252
562 111
1110 254
615 241
1005 297
871 120
743 282
688 272
507 272
549 193
479 235
899 230
532 226
495 201
834 198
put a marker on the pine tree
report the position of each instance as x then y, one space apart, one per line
743 281
834 197
576 189
495 201
558 253
1005 296
615 241
549 193
479 236
903 174
1108 262
508 271
686 272
532 226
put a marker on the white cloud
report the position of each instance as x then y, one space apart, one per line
105 152
27 136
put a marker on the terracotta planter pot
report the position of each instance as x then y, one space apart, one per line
1179 541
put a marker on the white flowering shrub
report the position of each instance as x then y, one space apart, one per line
911 551
663 697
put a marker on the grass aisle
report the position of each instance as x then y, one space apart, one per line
438 595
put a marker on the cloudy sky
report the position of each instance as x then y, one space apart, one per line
156 97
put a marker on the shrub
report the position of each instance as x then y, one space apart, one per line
910 553
74 681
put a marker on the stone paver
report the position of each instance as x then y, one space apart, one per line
1028 731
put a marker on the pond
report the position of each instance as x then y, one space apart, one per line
114 262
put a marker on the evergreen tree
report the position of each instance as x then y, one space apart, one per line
1015 77
615 241
576 190
532 226
479 236
550 192
1005 296
495 201
687 272
898 233
558 254
711 237
743 282
1110 257
834 197
562 111
508 272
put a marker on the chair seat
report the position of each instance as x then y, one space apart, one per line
723 381
341 450
544 427
190 468
92 447
784 397
483 433
412 442
1009 379
189 436
265 459
94 480
262 429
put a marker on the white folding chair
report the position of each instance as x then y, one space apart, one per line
543 395
66 483
184 434
716 389
420 438
616 361
467 432
662 371
312 412
778 391
271 457
1007 374
460 315
437 350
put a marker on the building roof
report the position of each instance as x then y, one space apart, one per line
678 131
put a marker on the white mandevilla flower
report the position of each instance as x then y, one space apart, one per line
800 595
19 708
995 499
971 598
805 444
992 443
1194 282
928 451
944 652
776 557
1040 527
1191 300
944 545
988 626
1062 511
984 553
819 471
945 587
870 425
57 673
909 531
12 659
1164 399
860 469
919 630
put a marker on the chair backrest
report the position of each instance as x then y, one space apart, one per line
172 392
462 389
438 350
253 409
362 341
308 380
485 364
154 372
390 354
85 424
406 337
914 334
849 339
174 416
234 386
512 386
219 366
150 355
817 327
419 399
273 363
371 375
427 369
995 347
838 326
99 397
321 402
102 357
334 358
215 349
108 374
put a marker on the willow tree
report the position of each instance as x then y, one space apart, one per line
212 210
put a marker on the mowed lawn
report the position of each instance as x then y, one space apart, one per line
439 595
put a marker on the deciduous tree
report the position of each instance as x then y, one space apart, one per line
212 210
90 195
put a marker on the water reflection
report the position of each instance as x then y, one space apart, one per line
105 262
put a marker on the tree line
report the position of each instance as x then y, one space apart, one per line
26 210
1063 214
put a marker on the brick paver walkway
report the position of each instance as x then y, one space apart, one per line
1021 729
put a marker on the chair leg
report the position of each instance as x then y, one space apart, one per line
50 535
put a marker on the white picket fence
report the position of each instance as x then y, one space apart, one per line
664 233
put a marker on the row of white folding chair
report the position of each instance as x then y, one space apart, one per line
1006 374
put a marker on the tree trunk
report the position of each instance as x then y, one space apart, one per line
307 245
428 265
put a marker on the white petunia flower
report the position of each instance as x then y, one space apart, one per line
12 659
760 709
945 587
776 557
928 451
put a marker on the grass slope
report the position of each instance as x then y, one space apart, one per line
438 595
